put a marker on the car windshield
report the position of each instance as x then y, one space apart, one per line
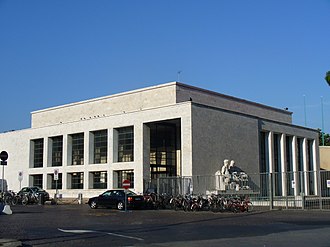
118 193
131 193
36 189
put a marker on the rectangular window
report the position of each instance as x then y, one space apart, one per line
263 153
289 154
53 182
123 175
300 154
126 144
277 164
57 150
76 180
264 163
78 149
37 180
38 154
310 174
289 160
310 158
100 180
100 146
300 148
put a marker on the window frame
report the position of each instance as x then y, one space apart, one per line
125 144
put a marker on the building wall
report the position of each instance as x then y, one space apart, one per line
219 135
151 97
117 104
325 157
288 129
205 97
214 127
17 144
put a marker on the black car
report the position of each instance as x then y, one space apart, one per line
34 193
116 199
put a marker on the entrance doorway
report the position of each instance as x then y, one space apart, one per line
165 148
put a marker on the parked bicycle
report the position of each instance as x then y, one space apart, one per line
10 198
22 199
189 202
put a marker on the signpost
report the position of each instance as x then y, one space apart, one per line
3 158
56 171
126 186
20 178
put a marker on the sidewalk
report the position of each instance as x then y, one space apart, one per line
10 243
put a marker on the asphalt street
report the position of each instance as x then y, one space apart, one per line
78 225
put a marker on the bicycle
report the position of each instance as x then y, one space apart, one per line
10 198
22 199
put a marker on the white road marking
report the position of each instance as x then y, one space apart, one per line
91 231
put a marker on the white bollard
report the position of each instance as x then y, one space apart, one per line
5 209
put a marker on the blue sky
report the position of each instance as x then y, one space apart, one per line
272 52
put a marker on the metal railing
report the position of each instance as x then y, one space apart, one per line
286 190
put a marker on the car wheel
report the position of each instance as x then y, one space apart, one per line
120 205
93 205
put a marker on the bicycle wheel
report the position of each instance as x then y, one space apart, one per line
185 205
249 207
25 199
7 200
215 207
14 200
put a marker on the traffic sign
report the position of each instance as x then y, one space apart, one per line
20 176
3 156
56 174
126 184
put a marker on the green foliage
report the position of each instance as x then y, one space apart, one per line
327 77
326 138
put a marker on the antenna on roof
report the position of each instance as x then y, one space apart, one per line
179 72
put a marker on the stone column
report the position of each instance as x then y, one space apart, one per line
65 162
110 158
146 155
271 151
283 165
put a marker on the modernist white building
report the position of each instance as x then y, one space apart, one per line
169 130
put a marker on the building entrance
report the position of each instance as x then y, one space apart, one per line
165 147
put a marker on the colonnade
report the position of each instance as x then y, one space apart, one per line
301 162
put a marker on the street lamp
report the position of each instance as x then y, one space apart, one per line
327 77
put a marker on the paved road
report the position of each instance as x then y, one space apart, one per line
78 225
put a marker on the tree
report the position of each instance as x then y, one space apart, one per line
327 77
326 138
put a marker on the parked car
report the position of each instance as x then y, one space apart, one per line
34 193
116 199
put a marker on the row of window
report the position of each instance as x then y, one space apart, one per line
75 180
124 143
